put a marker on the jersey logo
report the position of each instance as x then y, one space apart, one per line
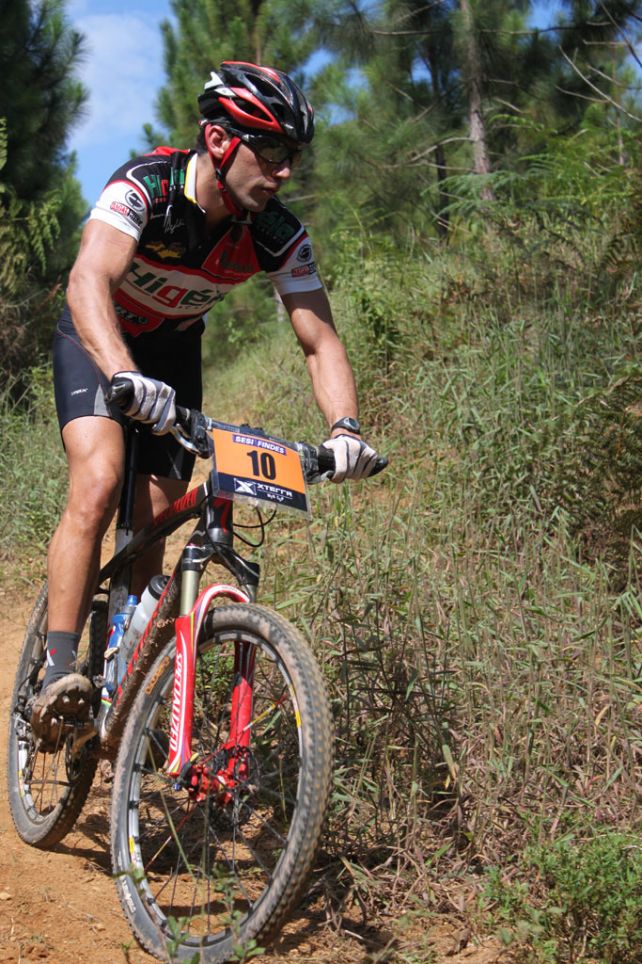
134 200
232 261
276 228
162 250
157 186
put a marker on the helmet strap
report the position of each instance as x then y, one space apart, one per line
220 169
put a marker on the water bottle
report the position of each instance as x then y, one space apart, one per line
118 628
142 615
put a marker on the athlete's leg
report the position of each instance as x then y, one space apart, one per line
164 465
95 450
153 495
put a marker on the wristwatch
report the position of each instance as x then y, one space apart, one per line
350 424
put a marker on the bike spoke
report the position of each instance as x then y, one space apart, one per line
221 851
216 859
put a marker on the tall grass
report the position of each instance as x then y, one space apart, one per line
476 609
32 477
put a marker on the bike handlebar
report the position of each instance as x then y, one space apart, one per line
192 432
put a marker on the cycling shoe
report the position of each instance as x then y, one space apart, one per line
65 703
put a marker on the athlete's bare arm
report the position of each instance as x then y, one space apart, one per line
103 261
328 365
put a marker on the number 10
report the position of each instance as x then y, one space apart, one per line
263 465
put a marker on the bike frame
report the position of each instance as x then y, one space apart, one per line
180 611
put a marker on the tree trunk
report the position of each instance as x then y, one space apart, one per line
443 218
474 90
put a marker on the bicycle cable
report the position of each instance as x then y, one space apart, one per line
262 524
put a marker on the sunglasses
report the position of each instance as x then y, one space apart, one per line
272 149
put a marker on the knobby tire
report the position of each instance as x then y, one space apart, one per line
46 791
200 879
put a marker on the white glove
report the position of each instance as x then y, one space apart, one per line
353 459
152 401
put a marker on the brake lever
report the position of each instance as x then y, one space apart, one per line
310 462
191 432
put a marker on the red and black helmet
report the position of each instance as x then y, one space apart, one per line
248 98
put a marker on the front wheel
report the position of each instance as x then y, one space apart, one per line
47 790
208 866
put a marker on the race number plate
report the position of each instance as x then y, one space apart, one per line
258 470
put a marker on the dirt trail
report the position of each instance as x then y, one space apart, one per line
61 906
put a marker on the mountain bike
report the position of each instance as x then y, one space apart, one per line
217 723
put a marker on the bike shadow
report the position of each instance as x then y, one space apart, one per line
90 840
326 926
331 925
312 936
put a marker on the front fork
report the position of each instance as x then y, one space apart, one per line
193 609
188 628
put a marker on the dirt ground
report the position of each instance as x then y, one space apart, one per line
61 906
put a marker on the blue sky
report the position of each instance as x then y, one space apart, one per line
123 71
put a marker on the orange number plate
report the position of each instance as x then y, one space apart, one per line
257 470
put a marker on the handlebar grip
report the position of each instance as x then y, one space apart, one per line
325 458
121 393
380 465
326 462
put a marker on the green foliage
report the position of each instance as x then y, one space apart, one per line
40 97
583 900
240 321
29 231
475 609
33 476
210 31
40 201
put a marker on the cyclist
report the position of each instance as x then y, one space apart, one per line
172 232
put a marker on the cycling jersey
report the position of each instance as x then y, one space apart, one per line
181 268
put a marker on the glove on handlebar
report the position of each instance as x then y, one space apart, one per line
151 401
353 458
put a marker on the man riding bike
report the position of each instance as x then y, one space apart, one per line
172 232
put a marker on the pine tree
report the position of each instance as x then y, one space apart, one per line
39 95
40 201
271 32
444 69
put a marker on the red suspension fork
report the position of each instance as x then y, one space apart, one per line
242 695
188 629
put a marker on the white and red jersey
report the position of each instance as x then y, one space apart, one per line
180 269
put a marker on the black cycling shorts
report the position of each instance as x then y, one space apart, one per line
172 357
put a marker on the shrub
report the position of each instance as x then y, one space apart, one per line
583 900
